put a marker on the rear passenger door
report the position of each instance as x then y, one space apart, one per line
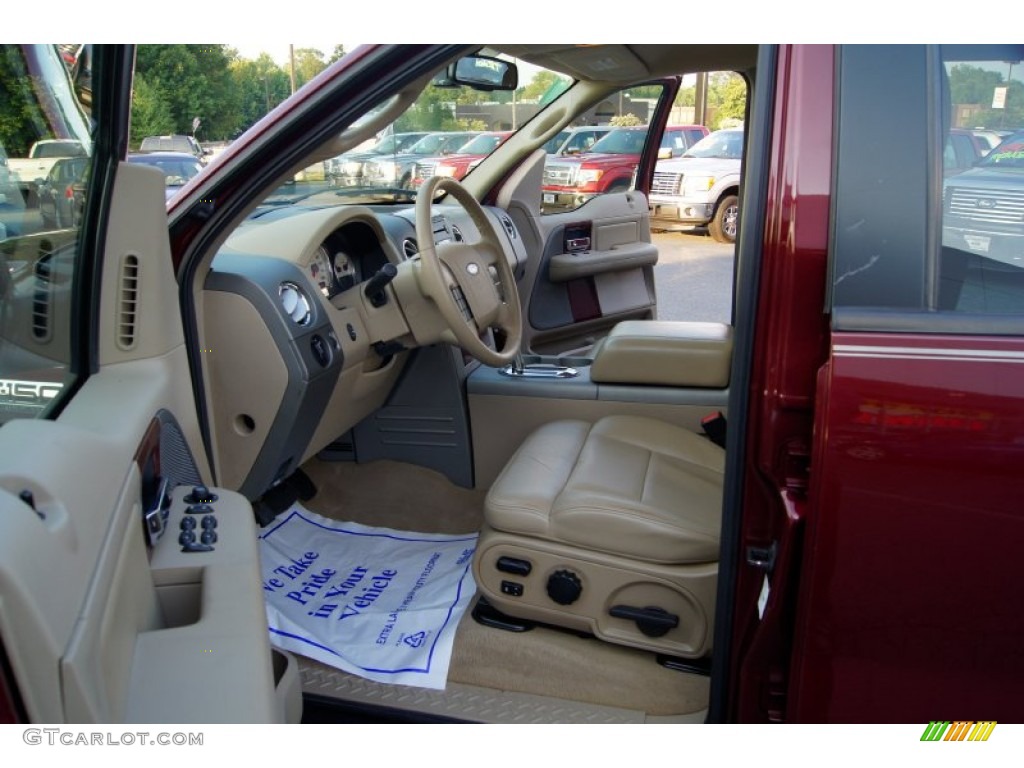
909 599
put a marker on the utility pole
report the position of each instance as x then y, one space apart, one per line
291 56
701 99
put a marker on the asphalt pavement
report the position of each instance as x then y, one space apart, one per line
693 277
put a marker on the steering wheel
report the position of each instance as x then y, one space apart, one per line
471 283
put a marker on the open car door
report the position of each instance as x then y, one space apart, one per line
116 604
591 228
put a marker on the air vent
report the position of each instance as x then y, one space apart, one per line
295 303
42 300
128 302
506 222
410 247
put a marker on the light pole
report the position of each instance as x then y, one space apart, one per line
266 90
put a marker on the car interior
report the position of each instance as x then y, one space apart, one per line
459 364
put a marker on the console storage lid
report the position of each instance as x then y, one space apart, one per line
679 354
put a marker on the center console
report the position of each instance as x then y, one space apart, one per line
674 371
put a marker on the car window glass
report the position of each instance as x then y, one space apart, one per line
605 163
969 261
42 194
446 130
983 204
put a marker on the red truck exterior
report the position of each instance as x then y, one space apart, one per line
879 476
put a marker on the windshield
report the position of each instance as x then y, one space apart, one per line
722 144
623 141
1009 154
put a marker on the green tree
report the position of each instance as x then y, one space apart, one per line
729 97
21 121
151 115
193 81
541 83
339 51
309 62
434 110
975 86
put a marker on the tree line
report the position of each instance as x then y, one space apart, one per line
175 84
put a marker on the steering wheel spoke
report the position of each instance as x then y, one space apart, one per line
472 284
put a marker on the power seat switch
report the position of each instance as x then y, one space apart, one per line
514 565
512 589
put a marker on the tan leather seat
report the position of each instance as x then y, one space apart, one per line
610 528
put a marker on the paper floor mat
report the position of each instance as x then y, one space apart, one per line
374 602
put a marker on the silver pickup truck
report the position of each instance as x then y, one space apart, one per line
701 188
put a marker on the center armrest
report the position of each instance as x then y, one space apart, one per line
664 353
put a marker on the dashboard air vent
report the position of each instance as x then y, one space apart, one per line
410 247
128 302
295 303
42 300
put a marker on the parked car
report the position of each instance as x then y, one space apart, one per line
609 164
60 195
397 170
200 397
173 143
347 170
962 151
576 141
178 168
458 164
984 206
42 155
989 138
701 188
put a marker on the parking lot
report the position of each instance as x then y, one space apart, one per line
693 277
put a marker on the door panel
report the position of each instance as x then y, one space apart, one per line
596 269
904 609
93 620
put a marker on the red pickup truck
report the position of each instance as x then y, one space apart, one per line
845 549
609 165
462 162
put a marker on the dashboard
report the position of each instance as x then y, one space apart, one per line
303 341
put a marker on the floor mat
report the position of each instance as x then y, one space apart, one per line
374 602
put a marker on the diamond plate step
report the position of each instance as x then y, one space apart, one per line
466 702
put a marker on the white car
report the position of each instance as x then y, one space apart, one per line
701 188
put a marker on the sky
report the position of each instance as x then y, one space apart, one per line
406 21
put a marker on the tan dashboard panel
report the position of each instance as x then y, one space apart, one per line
243 406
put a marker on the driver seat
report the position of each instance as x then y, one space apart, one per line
609 528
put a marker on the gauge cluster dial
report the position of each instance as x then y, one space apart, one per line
321 272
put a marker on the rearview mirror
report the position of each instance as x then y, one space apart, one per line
482 73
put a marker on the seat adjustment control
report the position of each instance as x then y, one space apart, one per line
652 621
564 587
514 566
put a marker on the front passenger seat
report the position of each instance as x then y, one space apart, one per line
609 528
